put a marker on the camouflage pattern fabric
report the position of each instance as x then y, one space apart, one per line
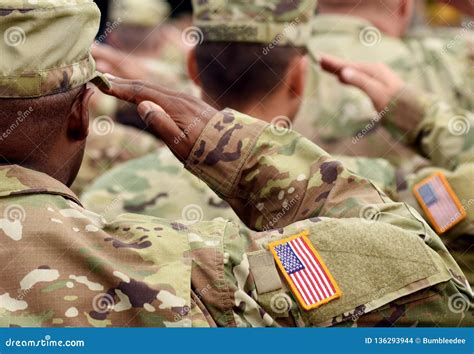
148 13
276 22
342 120
399 186
144 186
110 144
45 69
417 130
437 131
156 185
146 271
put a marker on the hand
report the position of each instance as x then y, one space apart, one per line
378 81
465 6
176 118
118 63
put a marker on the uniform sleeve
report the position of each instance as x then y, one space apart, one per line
273 177
251 290
442 133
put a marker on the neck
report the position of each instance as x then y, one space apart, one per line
266 111
59 169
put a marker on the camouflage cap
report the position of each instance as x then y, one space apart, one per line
46 46
147 13
280 22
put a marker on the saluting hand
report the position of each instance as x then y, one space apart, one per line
176 118
377 80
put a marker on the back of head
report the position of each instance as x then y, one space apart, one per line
235 74
245 47
45 65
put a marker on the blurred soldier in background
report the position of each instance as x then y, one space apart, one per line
333 115
426 125
267 81
423 132
140 30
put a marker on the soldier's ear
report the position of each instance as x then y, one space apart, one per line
78 123
296 75
405 10
193 70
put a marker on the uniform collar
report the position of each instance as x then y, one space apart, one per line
16 180
328 23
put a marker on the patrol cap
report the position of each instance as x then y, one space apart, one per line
146 13
280 22
45 46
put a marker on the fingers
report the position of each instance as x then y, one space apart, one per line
332 64
361 80
157 87
134 92
335 65
164 127
372 87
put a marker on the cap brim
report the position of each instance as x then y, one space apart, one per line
100 79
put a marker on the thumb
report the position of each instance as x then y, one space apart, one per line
162 126
372 88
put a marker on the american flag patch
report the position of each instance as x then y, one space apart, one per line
439 202
305 272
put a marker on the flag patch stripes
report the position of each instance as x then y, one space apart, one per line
305 271
439 202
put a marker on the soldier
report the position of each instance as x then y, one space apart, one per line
143 44
372 31
272 76
442 134
133 27
343 121
65 266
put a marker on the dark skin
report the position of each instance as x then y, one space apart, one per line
59 154
167 113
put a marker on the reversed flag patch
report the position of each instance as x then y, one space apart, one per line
305 271
439 202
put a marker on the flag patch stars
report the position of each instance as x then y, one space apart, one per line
305 272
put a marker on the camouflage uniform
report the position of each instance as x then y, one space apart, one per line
155 184
417 130
167 66
145 271
110 144
342 120
65 266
